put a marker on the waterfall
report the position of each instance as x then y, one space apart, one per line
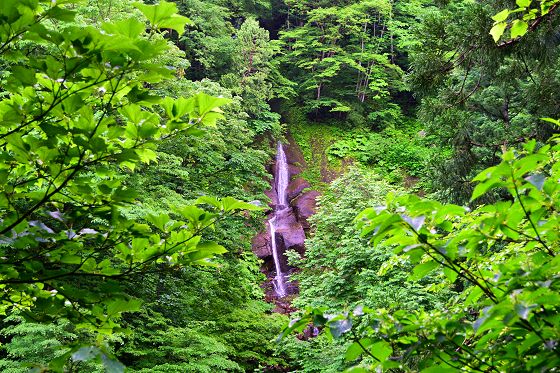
282 176
279 281
282 180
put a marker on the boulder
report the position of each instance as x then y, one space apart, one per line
293 237
304 206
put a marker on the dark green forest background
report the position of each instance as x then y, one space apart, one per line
134 143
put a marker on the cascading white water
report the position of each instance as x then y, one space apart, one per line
279 282
282 176
282 180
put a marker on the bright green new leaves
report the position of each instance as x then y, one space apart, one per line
518 28
502 259
76 115
195 109
505 255
164 15
528 15
498 30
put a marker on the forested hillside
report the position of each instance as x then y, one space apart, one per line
279 186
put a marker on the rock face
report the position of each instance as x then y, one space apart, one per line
290 223
305 205
289 234
296 187
261 245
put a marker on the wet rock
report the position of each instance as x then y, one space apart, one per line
284 308
271 193
304 206
289 234
261 245
282 305
296 187
293 237
294 170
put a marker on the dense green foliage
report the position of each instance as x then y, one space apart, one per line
135 139
341 51
531 17
76 116
104 184
340 270
478 98
502 258
495 264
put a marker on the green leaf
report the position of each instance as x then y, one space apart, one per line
531 340
164 15
502 16
71 259
192 213
353 352
484 187
176 22
381 350
118 306
146 155
523 3
160 221
422 269
473 295
157 12
57 364
518 28
498 30
210 247
129 27
232 204
207 103
61 14
450 274
551 120
209 200
24 75
205 252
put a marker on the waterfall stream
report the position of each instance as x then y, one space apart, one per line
282 176
279 281
282 179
